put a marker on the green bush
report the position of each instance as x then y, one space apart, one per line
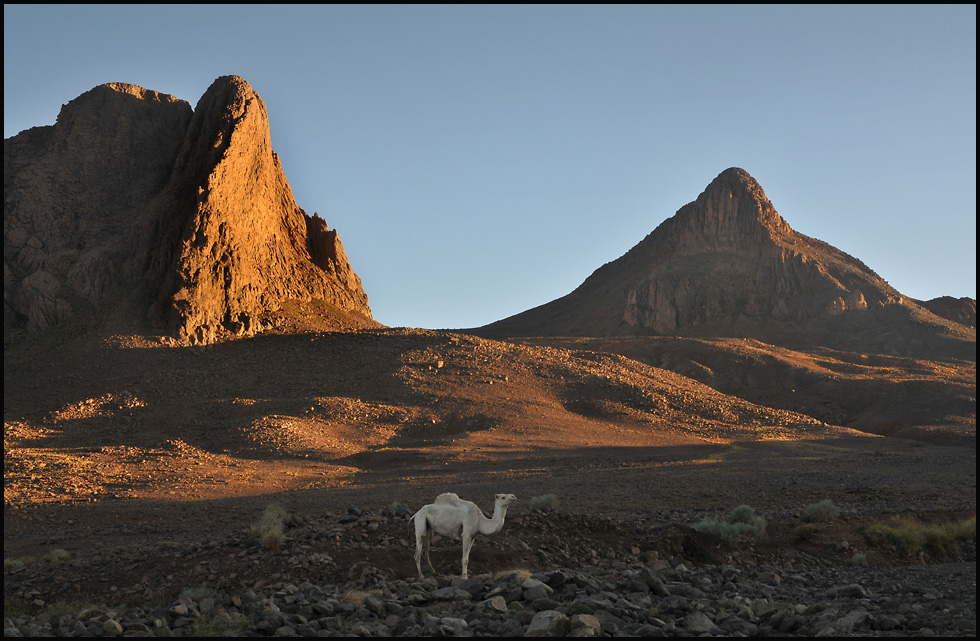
825 510
741 523
546 503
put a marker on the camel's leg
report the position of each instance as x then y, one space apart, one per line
428 543
467 546
421 539
418 553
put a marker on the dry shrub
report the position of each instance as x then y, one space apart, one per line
516 574
741 523
56 556
825 510
358 597
545 503
911 537
271 528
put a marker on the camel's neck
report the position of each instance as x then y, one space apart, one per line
493 525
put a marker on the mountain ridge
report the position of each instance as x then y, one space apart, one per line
157 223
728 264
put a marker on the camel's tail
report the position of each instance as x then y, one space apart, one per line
415 520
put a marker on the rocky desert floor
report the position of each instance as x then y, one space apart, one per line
137 474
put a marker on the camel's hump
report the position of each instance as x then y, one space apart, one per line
448 497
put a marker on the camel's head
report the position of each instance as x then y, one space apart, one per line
505 499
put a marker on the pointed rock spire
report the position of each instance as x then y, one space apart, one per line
138 188
731 214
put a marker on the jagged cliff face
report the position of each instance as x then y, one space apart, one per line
728 265
132 188
243 241
76 195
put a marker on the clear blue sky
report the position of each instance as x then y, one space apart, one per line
481 160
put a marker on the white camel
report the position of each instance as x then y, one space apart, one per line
450 514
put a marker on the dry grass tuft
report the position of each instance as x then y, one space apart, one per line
271 528
358 597
514 574
913 538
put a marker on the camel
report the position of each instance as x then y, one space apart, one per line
448 516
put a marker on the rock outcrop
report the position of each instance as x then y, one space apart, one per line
959 310
728 265
134 196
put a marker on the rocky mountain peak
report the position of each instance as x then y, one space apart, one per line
731 214
727 264
131 189
735 193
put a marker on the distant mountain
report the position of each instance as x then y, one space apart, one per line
134 199
727 265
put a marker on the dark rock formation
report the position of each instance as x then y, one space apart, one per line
134 196
76 198
958 310
729 265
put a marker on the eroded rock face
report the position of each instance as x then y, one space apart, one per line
133 189
244 245
75 210
729 255
728 265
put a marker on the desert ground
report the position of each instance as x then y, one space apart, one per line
147 466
